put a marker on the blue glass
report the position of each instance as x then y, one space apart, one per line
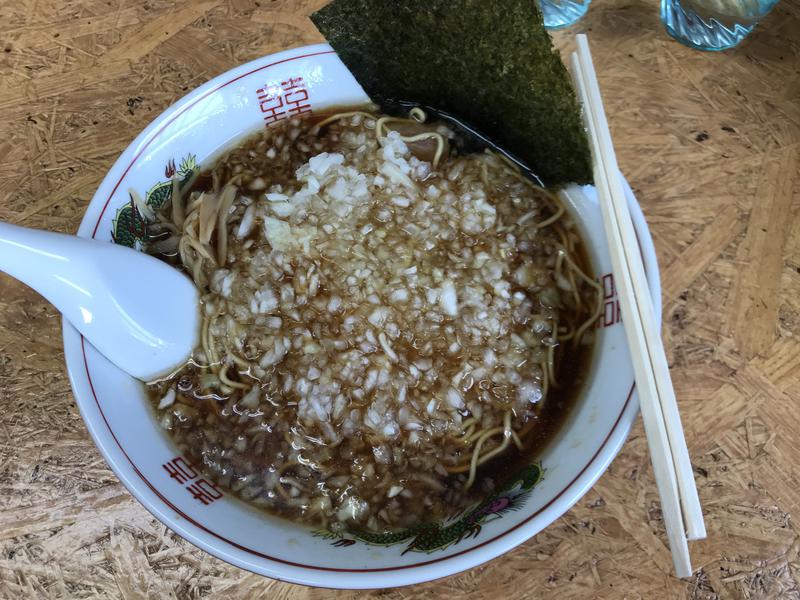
562 13
712 24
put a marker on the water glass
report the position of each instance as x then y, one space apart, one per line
562 13
712 24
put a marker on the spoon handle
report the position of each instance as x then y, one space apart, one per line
98 287
49 263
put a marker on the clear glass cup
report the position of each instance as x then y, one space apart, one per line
712 24
562 13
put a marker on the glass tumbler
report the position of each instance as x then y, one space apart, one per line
712 24
562 13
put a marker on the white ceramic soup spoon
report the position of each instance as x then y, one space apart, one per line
141 313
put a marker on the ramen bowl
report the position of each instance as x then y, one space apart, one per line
186 138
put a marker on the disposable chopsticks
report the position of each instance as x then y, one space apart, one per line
668 452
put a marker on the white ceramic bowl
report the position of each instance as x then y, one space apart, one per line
118 416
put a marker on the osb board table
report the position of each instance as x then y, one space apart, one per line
709 142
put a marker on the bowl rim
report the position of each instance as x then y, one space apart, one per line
172 516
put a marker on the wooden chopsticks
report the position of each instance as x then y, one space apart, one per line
670 457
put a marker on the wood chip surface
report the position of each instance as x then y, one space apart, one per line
709 142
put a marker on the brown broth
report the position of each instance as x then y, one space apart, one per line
572 371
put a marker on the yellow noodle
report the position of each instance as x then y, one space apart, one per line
223 377
177 204
343 115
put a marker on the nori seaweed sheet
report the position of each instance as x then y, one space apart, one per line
490 62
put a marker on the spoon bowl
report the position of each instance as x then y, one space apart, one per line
104 290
